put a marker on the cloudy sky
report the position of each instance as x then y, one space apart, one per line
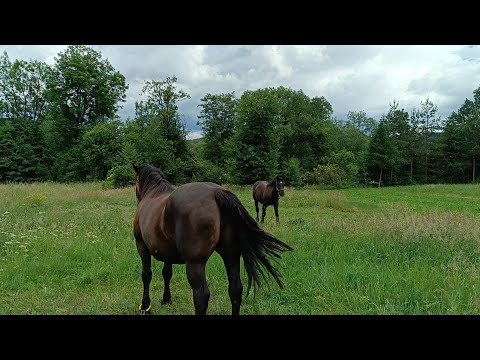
351 78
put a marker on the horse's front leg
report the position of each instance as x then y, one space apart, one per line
264 212
167 273
146 258
276 213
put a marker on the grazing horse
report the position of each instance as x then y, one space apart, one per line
185 224
268 194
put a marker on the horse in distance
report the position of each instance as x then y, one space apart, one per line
186 224
268 194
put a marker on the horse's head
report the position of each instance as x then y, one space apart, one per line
279 184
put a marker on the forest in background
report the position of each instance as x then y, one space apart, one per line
59 123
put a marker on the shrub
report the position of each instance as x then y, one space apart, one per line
205 170
330 175
293 173
119 176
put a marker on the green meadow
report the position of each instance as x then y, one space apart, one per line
69 249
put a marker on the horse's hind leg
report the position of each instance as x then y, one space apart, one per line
167 273
235 288
198 282
256 206
146 275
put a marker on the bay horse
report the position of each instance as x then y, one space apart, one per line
268 194
185 224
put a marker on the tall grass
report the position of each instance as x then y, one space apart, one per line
69 249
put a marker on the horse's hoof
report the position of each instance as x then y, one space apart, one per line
146 311
166 302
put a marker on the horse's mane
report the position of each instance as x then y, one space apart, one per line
153 180
272 183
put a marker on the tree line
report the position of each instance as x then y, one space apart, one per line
59 123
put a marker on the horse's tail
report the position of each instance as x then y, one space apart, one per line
258 247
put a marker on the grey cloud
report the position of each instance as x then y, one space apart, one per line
351 78
338 56
470 53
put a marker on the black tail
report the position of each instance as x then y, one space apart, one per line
257 245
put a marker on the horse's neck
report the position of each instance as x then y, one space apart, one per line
274 190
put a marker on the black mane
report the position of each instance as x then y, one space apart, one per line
153 179
278 178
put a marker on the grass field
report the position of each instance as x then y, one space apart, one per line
69 249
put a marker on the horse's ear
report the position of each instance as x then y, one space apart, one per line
136 168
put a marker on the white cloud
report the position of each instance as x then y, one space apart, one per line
194 135
351 78
45 53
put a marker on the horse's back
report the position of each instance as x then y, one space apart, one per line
259 185
188 195
194 198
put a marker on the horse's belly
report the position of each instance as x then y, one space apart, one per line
165 252
167 258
